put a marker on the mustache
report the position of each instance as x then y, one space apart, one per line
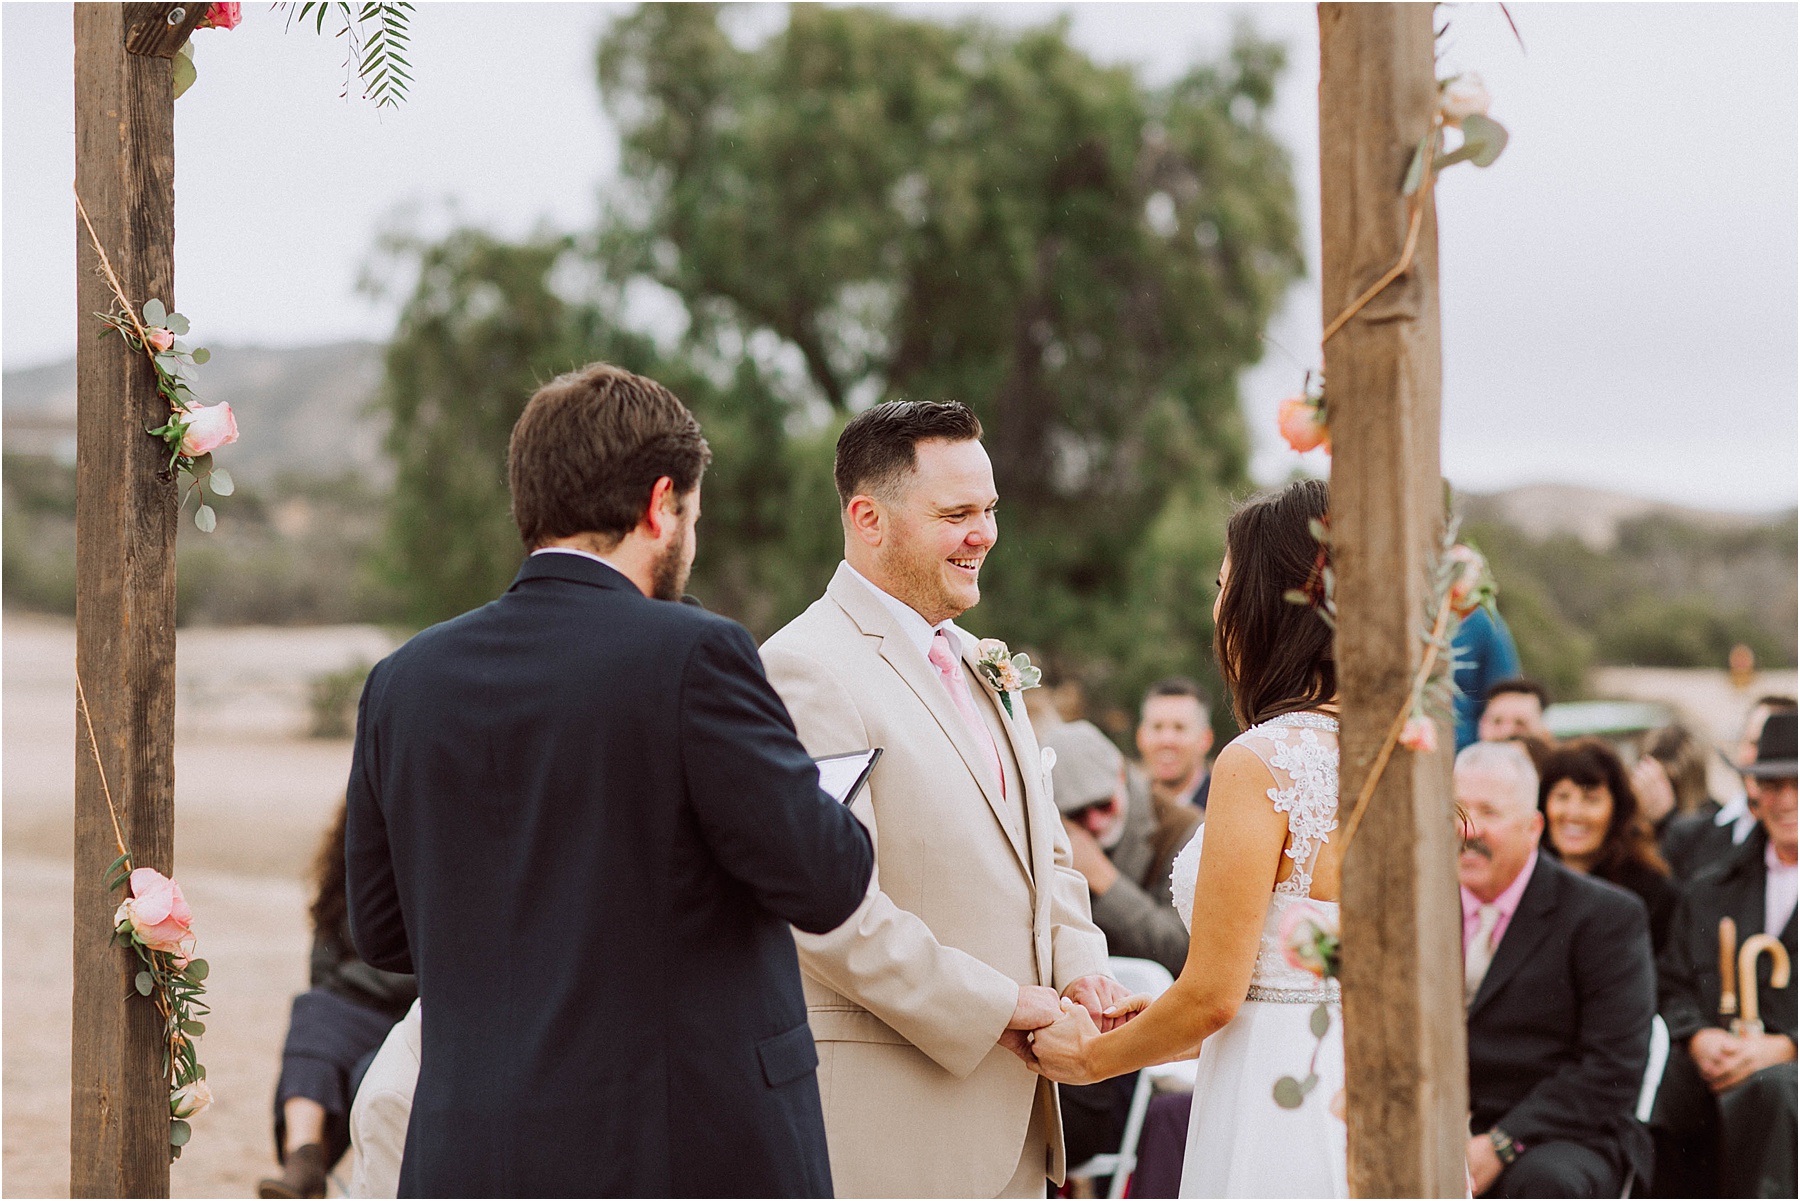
1479 846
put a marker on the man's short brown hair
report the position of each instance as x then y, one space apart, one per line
589 448
880 445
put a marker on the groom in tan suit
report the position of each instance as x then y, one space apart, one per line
922 1003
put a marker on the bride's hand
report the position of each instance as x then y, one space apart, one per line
1062 1048
1124 1011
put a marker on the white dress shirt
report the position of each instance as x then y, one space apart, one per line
918 631
1780 893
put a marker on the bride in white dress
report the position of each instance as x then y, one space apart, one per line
1265 847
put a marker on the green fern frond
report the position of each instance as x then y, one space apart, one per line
377 36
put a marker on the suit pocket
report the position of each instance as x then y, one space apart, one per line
787 1057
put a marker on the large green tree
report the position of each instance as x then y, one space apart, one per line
958 211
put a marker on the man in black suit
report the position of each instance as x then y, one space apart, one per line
582 817
1561 991
1725 1115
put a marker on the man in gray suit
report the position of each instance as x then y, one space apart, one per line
1121 845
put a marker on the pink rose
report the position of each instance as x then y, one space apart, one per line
1463 96
158 913
1308 938
209 427
159 337
1419 734
1303 425
221 16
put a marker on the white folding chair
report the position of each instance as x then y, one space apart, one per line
1140 976
1653 1074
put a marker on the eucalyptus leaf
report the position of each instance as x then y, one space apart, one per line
1289 1094
1311 1082
202 355
1488 135
1415 171
220 482
203 463
196 970
144 983
182 72
154 313
179 1133
177 324
196 1029
1321 1021
206 519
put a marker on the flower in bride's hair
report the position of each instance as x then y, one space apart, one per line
1419 734
1301 420
1308 937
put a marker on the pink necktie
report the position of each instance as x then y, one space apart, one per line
949 669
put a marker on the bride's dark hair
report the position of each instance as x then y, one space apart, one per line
1274 654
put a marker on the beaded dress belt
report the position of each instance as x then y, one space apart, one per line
1331 994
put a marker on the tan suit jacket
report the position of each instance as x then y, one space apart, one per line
973 895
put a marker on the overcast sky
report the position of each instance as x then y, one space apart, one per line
1619 290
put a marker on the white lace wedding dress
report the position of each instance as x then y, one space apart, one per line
1240 1142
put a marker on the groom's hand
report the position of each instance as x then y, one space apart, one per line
1037 1008
1097 994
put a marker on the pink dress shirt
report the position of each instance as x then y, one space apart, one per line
1507 902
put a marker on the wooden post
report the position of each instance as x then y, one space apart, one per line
125 516
1404 1028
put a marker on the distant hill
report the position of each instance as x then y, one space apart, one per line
1592 515
304 409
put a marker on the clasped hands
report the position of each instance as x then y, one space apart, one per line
1726 1060
1052 1034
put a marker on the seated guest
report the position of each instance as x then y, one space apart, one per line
1699 842
1125 851
1514 709
1725 1115
1670 782
1174 735
1592 823
1560 992
333 1033
1484 653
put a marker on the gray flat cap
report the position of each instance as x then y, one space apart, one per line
1087 764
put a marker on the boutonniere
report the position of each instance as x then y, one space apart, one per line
1006 673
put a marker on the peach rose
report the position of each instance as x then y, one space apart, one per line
1302 424
190 1099
1463 96
209 427
1419 734
160 337
158 913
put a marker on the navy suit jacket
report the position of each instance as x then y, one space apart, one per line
1559 1031
583 819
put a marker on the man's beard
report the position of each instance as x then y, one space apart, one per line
669 576
920 584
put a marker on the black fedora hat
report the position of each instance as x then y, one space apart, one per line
1775 748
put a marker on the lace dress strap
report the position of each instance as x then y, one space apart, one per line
1305 768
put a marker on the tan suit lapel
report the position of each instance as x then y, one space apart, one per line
1027 758
861 606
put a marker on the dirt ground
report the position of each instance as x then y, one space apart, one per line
253 798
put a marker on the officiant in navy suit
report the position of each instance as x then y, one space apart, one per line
581 816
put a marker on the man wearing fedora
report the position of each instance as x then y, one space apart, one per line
1725 1117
